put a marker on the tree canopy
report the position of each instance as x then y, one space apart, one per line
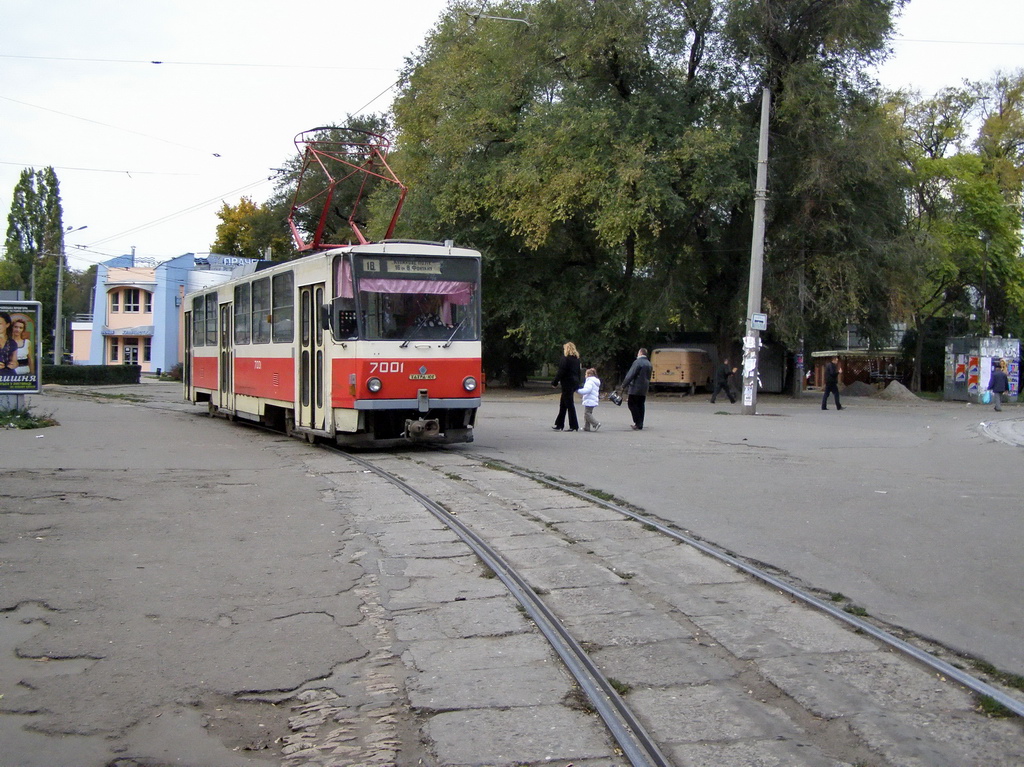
34 246
602 157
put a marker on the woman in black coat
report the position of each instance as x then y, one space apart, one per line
569 378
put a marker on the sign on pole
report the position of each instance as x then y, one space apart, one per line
20 347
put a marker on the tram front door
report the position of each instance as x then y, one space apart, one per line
312 412
226 384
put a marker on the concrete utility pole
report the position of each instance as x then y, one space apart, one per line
58 325
752 339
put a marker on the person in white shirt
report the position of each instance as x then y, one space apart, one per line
591 391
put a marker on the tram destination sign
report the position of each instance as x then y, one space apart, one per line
416 268
403 266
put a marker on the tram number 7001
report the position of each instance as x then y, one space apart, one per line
387 367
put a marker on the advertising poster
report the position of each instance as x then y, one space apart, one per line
973 374
20 347
961 369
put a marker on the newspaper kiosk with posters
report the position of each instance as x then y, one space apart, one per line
20 347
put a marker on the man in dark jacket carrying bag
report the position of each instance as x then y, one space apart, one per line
637 382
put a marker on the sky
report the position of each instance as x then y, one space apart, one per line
146 153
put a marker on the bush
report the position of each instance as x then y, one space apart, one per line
174 374
80 375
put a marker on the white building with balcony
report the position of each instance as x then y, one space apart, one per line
136 317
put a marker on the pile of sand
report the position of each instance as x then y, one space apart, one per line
899 392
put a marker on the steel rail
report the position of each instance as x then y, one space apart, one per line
931 661
636 743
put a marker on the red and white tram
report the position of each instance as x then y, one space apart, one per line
365 344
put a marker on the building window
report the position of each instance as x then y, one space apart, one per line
115 302
147 349
147 302
114 349
131 300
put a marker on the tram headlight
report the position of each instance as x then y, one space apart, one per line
469 383
374 384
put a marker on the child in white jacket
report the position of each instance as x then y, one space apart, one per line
591 392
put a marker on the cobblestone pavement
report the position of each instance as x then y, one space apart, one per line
176 590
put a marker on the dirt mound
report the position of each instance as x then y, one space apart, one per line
859 389
897 391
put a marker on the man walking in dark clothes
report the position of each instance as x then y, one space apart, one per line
637 382
722 374
832 373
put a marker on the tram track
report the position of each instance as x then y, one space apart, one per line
410 470
624 725
928 659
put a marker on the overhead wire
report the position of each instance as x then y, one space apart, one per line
108 125
190 63
182 212
199 205
126 171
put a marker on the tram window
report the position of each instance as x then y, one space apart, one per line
198 321
211 319
283 311
421 315
261 311
243 313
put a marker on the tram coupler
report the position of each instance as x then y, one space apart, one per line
422 428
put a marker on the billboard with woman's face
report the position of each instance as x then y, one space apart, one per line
20 346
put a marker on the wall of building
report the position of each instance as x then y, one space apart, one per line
166 283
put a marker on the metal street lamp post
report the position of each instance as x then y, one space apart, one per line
58 325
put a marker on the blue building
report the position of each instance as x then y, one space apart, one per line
137 310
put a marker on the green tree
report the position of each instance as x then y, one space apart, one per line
35 240
961 245
79 289
835 182
569 151
248 230
603 159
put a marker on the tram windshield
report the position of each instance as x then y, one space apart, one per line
407 298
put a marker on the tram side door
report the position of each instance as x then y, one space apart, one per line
186 368
225 383
311 358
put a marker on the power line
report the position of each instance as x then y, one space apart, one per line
129 173
182 212
954 42
193 63
107 125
